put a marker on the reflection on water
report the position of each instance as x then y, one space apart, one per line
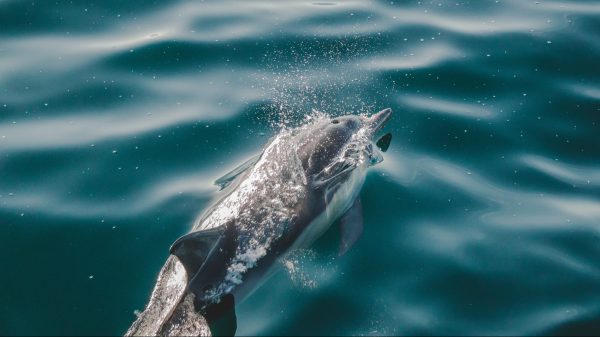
115 119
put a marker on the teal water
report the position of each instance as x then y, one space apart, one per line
484 218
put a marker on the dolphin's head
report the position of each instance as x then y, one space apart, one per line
341 144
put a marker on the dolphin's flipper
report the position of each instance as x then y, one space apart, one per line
384 142
221 317
225 180
351 226
193 248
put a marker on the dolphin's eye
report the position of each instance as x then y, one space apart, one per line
335 121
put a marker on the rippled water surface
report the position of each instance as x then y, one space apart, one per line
117 116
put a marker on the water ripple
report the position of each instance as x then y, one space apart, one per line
572 174
439 105
427 56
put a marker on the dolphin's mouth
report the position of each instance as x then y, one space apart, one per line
377 121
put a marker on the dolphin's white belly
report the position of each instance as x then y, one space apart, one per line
339 204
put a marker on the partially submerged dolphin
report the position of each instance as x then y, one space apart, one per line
284 199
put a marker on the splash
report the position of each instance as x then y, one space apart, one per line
296 267
317 76
307 270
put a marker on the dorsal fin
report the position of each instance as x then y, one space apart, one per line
193 248
230 176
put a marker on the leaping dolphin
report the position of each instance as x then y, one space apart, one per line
282 200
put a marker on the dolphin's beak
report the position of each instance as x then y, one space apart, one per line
378 120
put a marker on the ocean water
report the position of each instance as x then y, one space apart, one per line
484 218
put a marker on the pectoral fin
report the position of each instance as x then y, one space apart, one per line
351 226
193 248
221 317
225 180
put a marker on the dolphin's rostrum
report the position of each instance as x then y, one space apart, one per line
282 200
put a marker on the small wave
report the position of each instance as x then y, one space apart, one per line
587 91
449 107
572 174
430 55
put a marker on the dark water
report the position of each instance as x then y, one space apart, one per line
116 117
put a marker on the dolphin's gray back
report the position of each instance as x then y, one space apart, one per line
266 195
262 211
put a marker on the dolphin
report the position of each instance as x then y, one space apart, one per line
282 200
